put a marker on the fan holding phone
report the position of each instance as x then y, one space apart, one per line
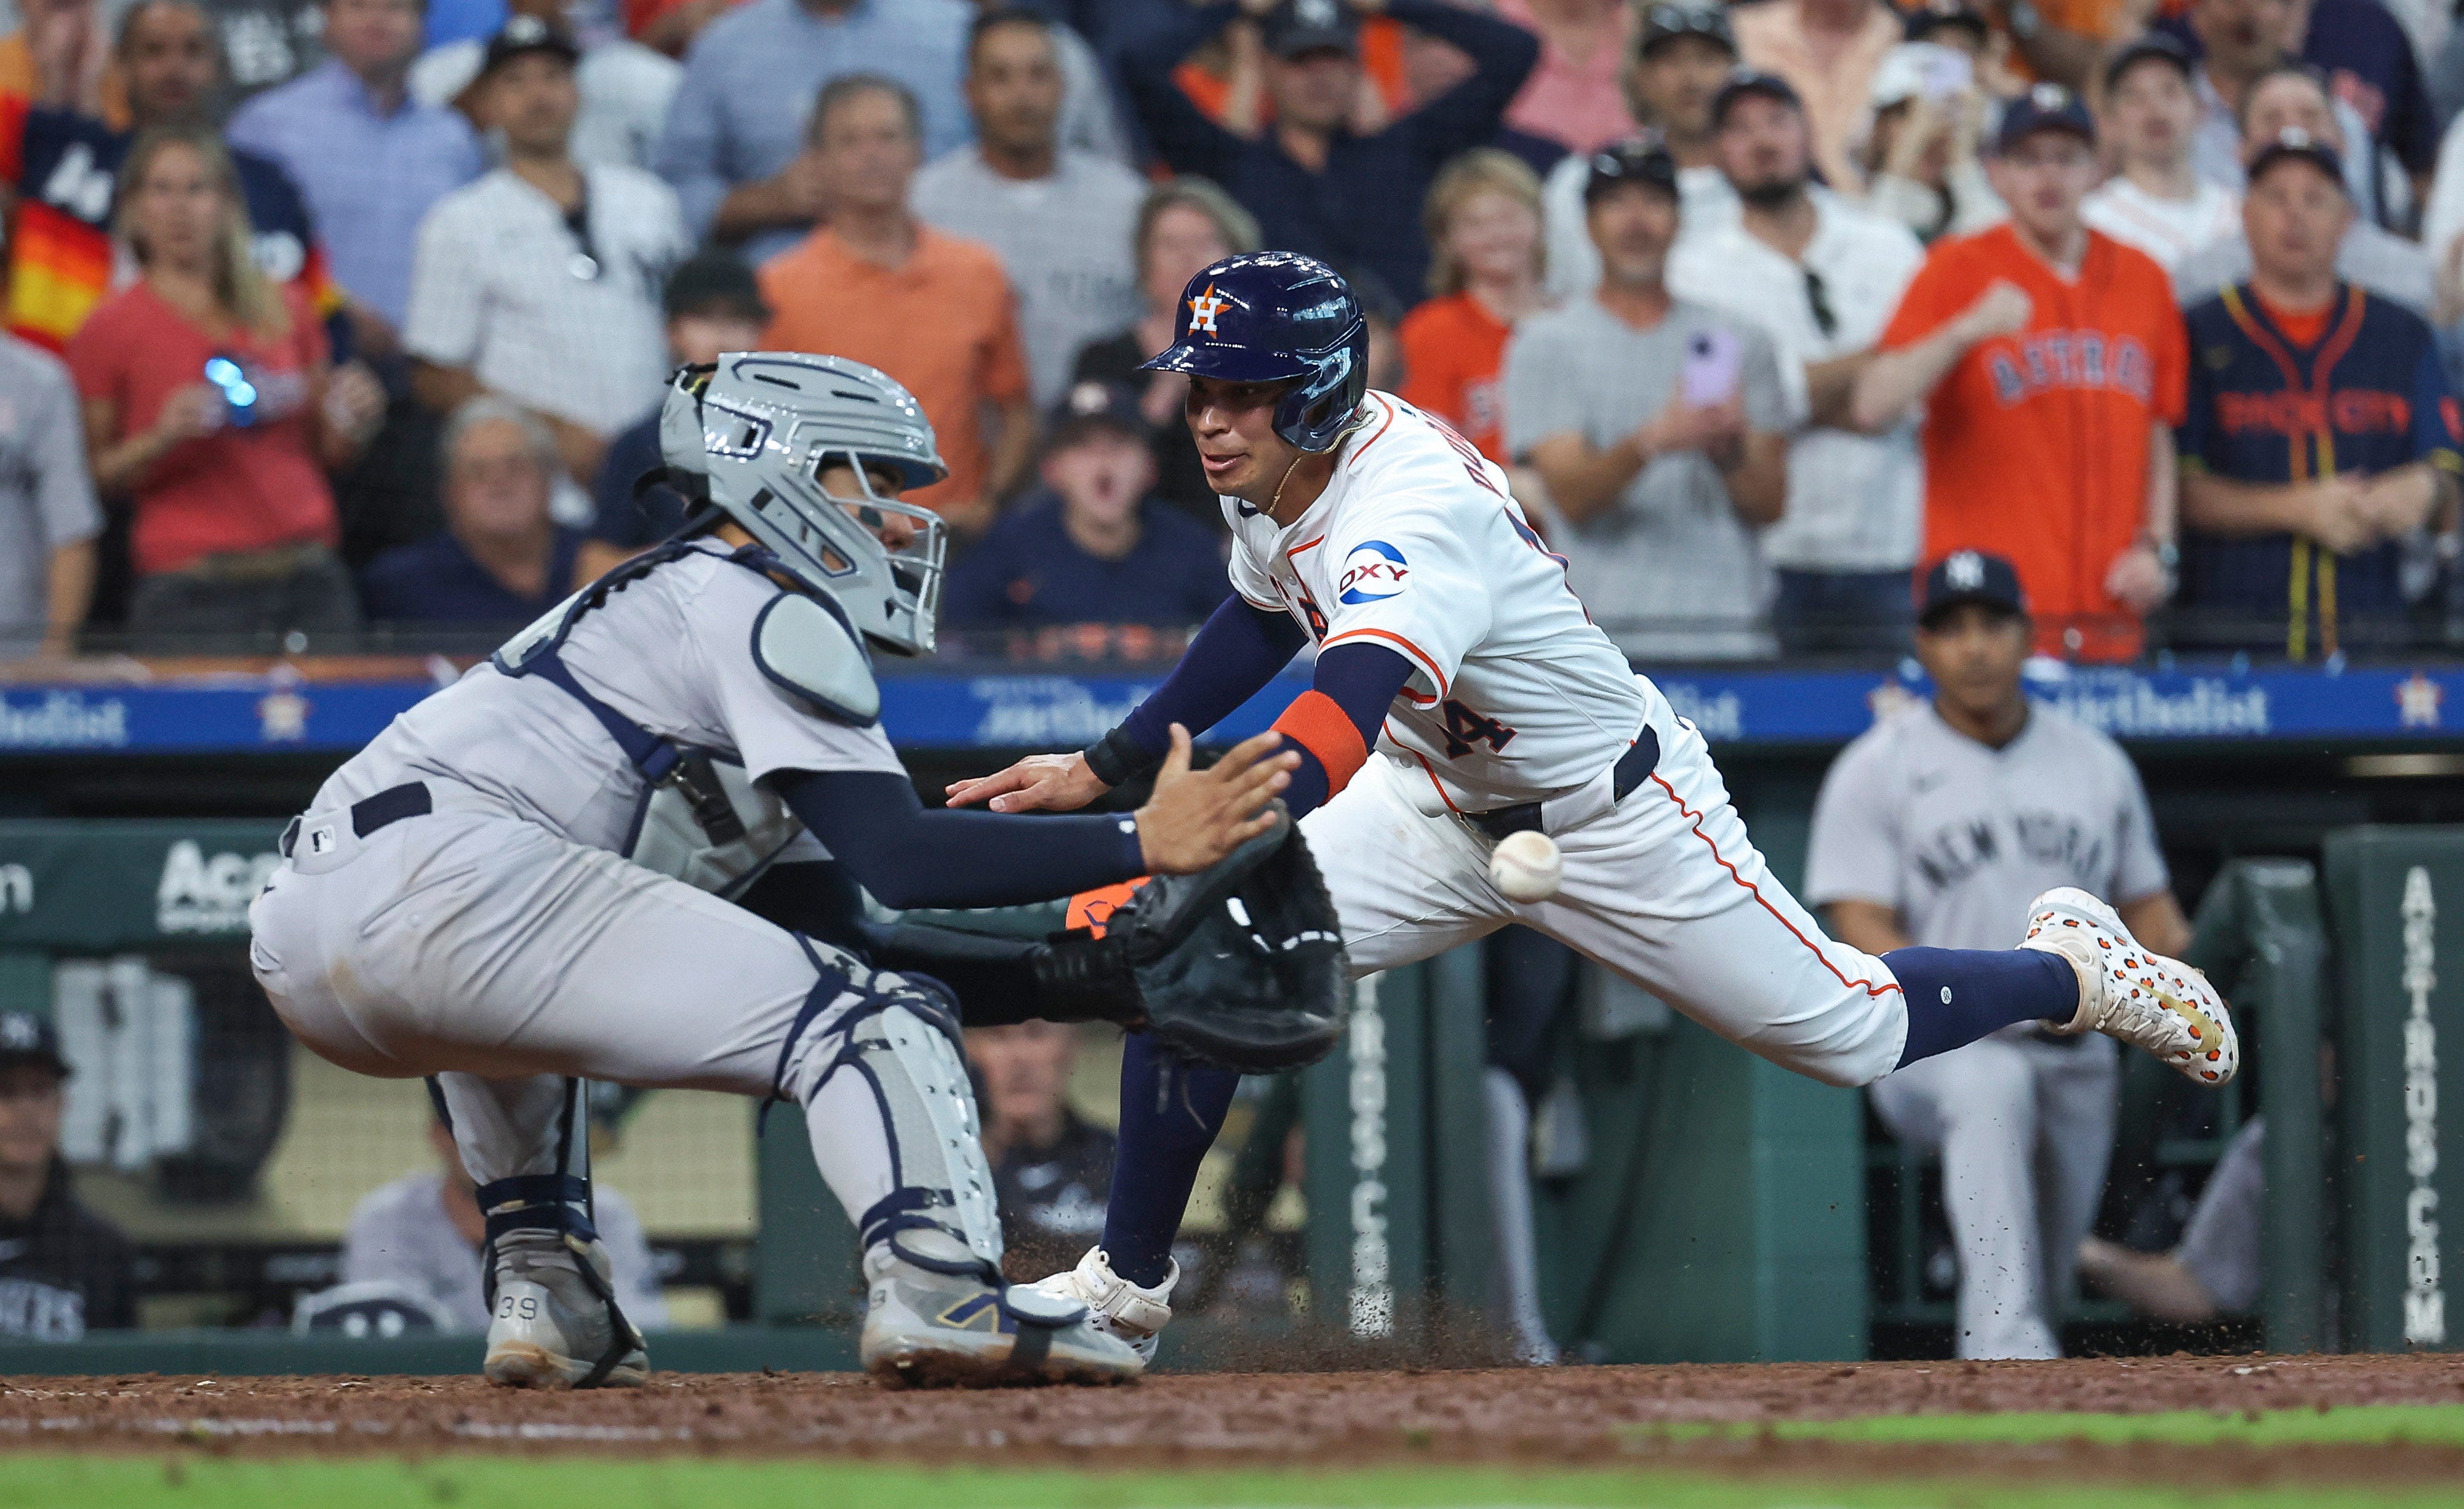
1658 427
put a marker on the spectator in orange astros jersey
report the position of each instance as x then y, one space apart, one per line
1484 270
2050 366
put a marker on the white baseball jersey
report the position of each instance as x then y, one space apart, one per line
1416 546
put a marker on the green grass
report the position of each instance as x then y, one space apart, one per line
185 1480
2355 1425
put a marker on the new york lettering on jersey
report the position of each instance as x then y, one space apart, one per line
64 167
1417 546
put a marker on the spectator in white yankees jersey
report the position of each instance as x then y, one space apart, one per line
539 281
1936 829
625 87
1059 218
2156 202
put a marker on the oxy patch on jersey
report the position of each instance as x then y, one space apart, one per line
1372 573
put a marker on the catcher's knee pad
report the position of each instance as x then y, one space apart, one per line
900 1032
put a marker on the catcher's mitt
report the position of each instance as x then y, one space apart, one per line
1242 964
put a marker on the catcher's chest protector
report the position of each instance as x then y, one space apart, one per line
700 818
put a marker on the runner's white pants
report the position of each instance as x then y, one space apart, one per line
1664 888
477 947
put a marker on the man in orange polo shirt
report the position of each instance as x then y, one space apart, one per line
877 286
2052 366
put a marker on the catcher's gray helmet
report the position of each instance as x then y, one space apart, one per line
752 433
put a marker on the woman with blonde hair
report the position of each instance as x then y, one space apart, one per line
1487 257
205 393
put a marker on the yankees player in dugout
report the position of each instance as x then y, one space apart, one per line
1935 827
1461 695
532 877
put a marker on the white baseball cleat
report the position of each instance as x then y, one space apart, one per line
2145 999
1114 1305
925 1328
553 1327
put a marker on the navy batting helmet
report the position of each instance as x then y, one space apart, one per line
1265 317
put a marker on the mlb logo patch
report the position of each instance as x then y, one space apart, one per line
321 840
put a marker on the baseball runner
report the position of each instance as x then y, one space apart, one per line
532 877
1462 695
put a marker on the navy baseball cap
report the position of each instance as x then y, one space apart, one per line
1924 21
1669 19
1297 27
527 34
1641 160
2293 142
1091 407
1969 576
2044 107
29 1036
2151 46
1746 81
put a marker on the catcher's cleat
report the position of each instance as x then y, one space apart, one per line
552 1326
2141 998
1114 1305
924 1328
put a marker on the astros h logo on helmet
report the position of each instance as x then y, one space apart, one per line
1203 309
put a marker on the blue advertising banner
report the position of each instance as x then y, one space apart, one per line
1011 711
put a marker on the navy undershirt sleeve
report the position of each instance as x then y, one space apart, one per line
1238 652
1363 679
909 856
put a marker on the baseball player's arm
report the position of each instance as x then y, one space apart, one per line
1873 926
1239 650
2157 921
1897 381
909 857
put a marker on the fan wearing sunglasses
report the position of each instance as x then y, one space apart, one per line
1819 275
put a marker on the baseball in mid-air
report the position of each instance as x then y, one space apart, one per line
1527 866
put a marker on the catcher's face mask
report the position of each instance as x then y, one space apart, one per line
787 446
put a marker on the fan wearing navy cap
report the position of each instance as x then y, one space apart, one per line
1095 544
2320 432
64 1271
1933 829
1314 184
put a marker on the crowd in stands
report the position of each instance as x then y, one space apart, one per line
365 306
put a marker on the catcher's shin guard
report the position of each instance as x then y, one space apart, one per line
939 1312
554 1321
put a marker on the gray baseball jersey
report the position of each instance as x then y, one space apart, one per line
674 653
400 1231
1960 837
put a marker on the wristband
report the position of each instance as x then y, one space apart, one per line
1116 757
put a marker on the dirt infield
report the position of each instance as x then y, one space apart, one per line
1558 1417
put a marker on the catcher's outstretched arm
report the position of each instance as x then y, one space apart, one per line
1231 660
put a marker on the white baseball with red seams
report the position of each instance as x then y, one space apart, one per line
1516 697
1527 866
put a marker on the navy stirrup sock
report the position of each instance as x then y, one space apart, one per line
1170 1112
1958 995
